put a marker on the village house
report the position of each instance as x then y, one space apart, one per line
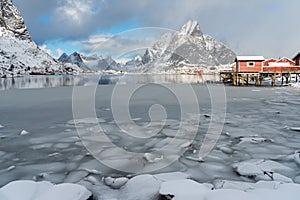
296 59
249 64
281 65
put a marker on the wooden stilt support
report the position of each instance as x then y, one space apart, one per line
274 80
243 80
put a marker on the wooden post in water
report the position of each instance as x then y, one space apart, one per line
235 81
274 80
256 80
243 80
260 80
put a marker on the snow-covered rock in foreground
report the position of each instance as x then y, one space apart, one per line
29 190
263 170
183 189
188 189
115 183
141 187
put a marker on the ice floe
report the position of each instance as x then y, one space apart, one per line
297 157
153 158
115 183
255 139
11 168
297 129
24 132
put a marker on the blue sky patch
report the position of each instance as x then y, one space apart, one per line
45 20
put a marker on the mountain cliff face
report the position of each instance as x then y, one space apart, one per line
18 53
189 46
11 21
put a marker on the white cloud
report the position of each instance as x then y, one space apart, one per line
249 27
76 12
44 47
59 52
130 42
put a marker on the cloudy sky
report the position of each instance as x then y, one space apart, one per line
267 27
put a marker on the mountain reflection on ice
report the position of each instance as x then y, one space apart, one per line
27 82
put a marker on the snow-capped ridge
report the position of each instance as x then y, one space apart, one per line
192 27
89 63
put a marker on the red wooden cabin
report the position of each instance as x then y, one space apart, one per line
283 65
271 60
249 64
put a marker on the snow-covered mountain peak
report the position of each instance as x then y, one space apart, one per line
89 63
192 27
188 46
11 21
63 57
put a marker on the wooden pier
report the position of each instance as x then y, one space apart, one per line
258 78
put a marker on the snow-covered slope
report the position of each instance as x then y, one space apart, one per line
18 53
188 46
19 57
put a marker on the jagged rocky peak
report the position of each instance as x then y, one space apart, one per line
11 21
63 57
192 27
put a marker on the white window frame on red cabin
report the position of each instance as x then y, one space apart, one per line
252 64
